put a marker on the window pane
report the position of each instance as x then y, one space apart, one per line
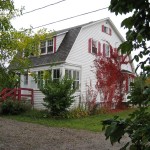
66 73
43 47
50 49
40 79
77 75
106 29
94 47
25 79
50 42
56 74
107 50
76 79
74 75
50 46
43 50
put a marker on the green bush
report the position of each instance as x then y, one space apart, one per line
58 96
14 107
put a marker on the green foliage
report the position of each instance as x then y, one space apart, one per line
17 46
137 95
13 107
137 26
137 125
58 95
8 79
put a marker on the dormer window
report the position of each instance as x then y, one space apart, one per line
48 46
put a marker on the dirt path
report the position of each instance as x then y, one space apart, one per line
16 135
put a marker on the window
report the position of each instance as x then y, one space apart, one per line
94 47
40 79
73 74
68 73
46 76
49 46
107 50
76 79
56 74
26 79
46 46
43 47
106 29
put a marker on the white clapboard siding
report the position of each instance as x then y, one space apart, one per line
59 40
38 100
79 53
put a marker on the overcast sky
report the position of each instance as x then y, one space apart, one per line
62 10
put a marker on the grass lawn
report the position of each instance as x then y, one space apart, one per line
91 123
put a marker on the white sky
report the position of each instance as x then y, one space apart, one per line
65 9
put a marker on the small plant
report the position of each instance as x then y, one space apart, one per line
58 96
14 107
78 112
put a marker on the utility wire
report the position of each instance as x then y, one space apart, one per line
43 7
69 18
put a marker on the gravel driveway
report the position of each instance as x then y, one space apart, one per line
16 135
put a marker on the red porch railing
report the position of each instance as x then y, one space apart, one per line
17 93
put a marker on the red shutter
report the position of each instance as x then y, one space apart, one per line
104 54
109 31
90 45
54 44
99 48
102 28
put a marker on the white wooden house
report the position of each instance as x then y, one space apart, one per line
72 51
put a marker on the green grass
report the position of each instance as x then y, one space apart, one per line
91 123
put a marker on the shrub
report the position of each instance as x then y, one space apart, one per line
14 107
58 96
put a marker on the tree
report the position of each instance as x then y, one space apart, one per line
137 95
137 125
15 43
16 46
137 24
